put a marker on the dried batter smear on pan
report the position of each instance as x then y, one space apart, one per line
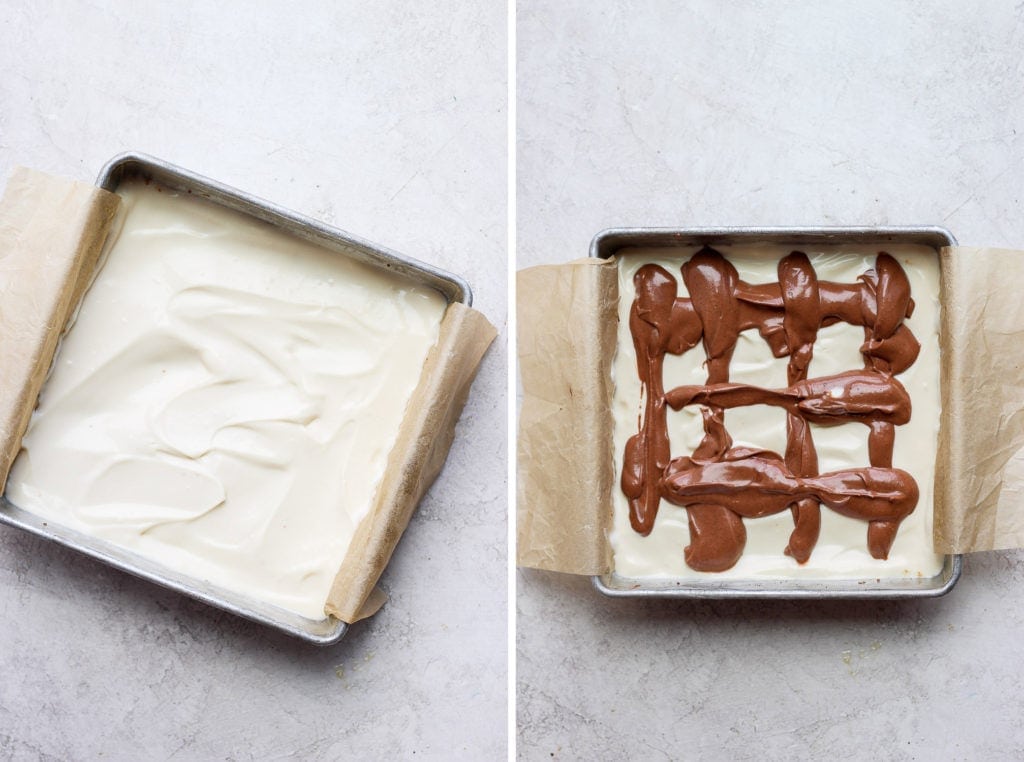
753 346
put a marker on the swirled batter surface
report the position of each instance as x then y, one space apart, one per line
226 399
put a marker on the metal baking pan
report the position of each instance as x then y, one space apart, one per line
454 288
605 245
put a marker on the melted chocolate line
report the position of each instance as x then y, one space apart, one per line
881 441
659 323
798 283
801 318
717 536
859 396
802 459
755 484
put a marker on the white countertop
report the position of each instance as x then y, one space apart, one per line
388 122
770 113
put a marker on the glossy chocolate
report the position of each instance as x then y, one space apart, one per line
720 485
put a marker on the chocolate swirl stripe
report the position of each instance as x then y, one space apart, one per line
801 319
855 396
659 323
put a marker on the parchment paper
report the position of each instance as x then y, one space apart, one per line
567 318
980 471
51 235
425 436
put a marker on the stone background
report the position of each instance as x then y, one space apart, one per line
387 120
770 113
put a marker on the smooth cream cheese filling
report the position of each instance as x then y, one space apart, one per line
226 399
841 551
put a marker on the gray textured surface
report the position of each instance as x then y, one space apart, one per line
770 113
388 121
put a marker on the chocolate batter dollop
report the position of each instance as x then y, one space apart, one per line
720 485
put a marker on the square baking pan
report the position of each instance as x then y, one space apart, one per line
605 245
134 165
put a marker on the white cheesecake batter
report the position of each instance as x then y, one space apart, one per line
226 399
841 551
